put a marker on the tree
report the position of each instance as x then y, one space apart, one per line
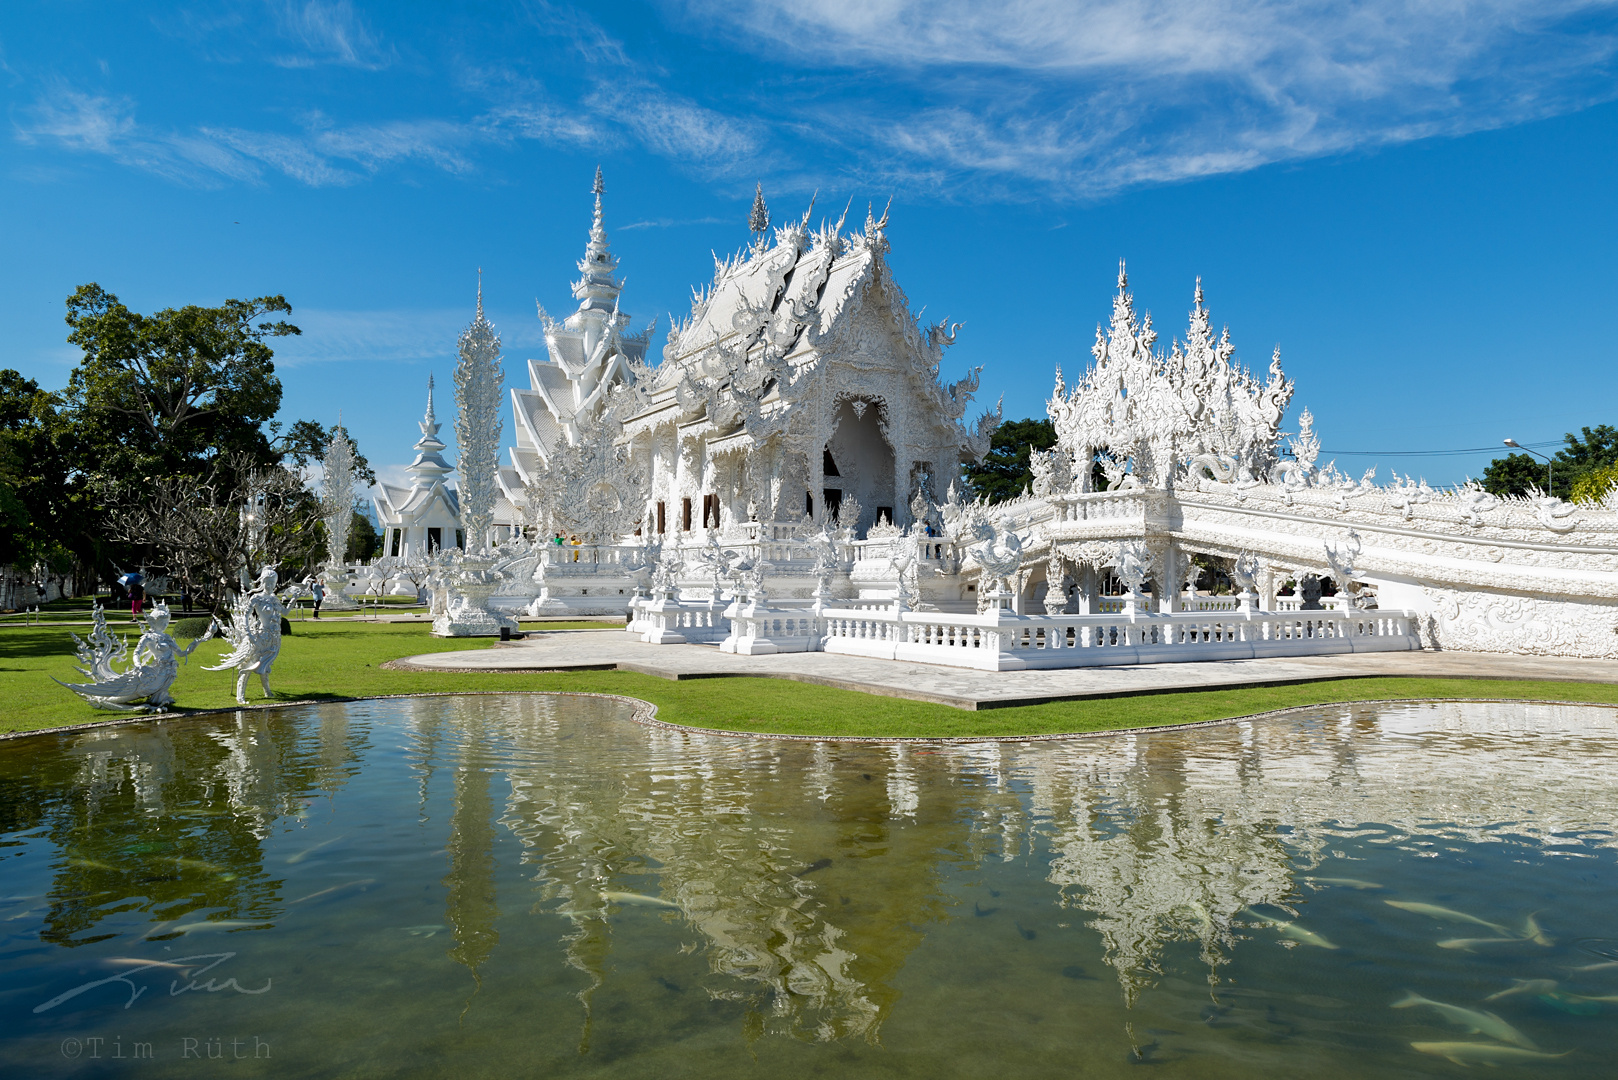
46 516
305 443
1592 450
1004 471
176 391
1597 449
1594 485
1514 474
203 529
21 436
364 542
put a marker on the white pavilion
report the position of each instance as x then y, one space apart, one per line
426 516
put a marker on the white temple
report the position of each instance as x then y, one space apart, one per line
788 477
425 517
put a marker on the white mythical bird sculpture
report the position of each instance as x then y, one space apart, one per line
254 632
155 664
1000 557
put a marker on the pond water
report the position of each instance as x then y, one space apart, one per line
530 885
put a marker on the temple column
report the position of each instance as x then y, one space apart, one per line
1174 563
1086 591
817 483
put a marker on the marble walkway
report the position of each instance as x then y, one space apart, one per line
562 650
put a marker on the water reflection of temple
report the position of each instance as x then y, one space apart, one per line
1170 837
809 873
808 897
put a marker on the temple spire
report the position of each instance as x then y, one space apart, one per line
429 464
597 290
480 292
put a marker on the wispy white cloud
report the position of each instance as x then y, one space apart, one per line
670 223
99 124
522 108
287 154
329 32
323 154
408 335
675 127
1025 98
76 121
1093 95
437 142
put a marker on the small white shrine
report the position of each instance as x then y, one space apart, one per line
425 517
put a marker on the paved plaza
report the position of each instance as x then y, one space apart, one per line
564 650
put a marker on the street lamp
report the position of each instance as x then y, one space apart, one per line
1515 445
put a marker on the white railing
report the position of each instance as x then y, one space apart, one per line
671 622
760 631
1210 603
1002 642
1099 506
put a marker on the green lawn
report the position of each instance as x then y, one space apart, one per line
333 660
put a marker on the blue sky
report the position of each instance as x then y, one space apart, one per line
1414 200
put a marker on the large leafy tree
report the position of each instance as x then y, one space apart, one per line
172 392
1514 474
181 395
1004 471
43 514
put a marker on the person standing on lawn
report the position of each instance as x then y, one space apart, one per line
318 591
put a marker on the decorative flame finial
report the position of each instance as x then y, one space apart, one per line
759 219
480 292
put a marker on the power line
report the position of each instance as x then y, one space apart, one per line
1438 453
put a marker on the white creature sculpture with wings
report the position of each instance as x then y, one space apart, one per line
254 633
155 664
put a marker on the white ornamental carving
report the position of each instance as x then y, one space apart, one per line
1153 413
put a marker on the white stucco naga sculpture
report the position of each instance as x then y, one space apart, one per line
155 664
254 632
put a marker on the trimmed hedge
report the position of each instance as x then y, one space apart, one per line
188 628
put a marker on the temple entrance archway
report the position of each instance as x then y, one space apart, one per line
859 462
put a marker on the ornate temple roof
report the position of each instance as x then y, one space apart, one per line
754 345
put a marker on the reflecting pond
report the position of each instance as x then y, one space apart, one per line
537 885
